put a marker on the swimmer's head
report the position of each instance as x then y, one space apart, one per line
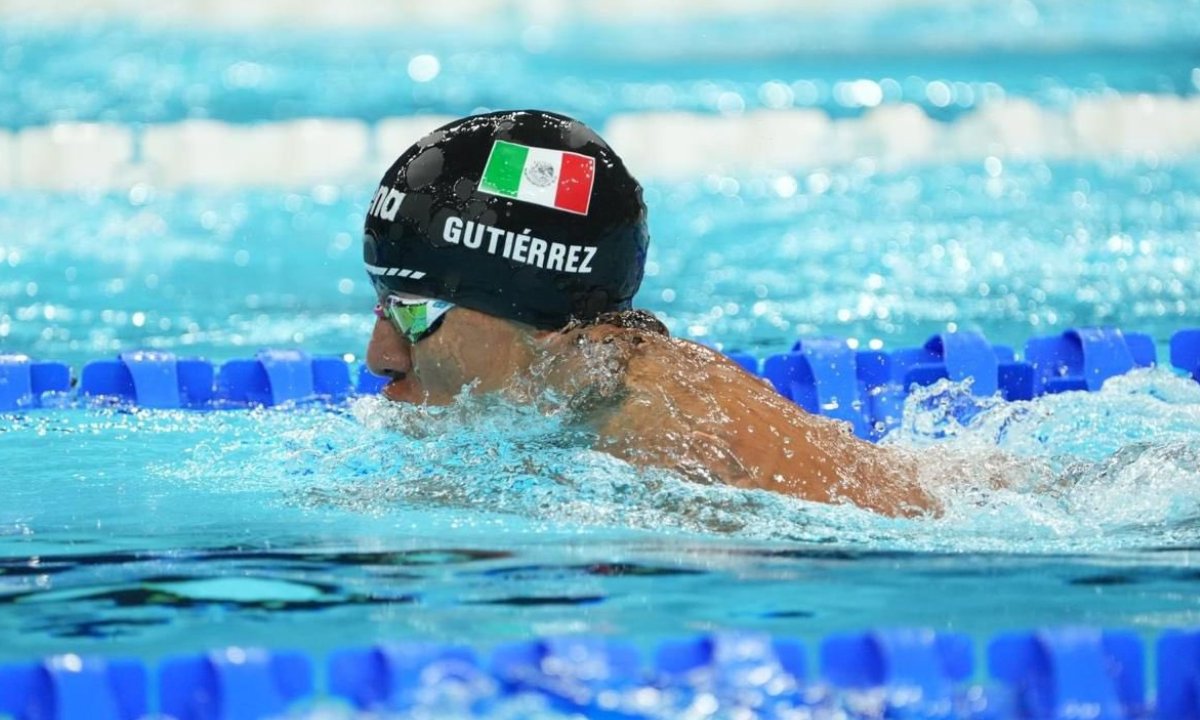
525 215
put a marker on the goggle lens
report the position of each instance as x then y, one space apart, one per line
414 318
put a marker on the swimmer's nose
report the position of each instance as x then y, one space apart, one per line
389 354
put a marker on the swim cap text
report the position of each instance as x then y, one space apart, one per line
519 247
386 203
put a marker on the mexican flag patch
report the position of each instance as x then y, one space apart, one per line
553 178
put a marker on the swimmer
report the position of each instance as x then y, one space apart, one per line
506 249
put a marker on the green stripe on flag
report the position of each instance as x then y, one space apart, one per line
503 172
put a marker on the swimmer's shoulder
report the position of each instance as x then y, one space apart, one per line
641 354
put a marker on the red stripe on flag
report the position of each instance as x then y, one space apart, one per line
575 183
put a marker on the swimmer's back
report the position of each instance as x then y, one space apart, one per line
680 405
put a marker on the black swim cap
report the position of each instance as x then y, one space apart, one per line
525 215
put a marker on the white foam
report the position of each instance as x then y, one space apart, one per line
8 160
675 144
365 14
657 145
394 135
295 152
238 14
71 156
640 11
672 145
1015 128
898 134
1138 124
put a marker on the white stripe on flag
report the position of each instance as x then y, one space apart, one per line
545 194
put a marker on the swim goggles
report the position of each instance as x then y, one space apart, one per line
414 318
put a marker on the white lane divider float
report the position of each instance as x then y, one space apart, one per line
655 145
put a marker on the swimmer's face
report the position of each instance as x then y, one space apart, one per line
469 348
389 354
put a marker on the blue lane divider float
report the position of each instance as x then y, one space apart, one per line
1083 358
150 379
1072 673
255 382
234 684
821 376
866 388
24 383
1049 674
963 355
389 677
764 676
922 673
160 380
956 356
574 674
275 377
368 383
748 362
69 686
728 653
1185 352
1178 686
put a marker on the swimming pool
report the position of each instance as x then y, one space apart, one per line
1049 178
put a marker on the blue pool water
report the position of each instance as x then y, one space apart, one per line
94 68
157 532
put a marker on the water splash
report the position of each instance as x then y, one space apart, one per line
1077 472
1100 471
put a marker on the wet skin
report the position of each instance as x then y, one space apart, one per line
653 401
